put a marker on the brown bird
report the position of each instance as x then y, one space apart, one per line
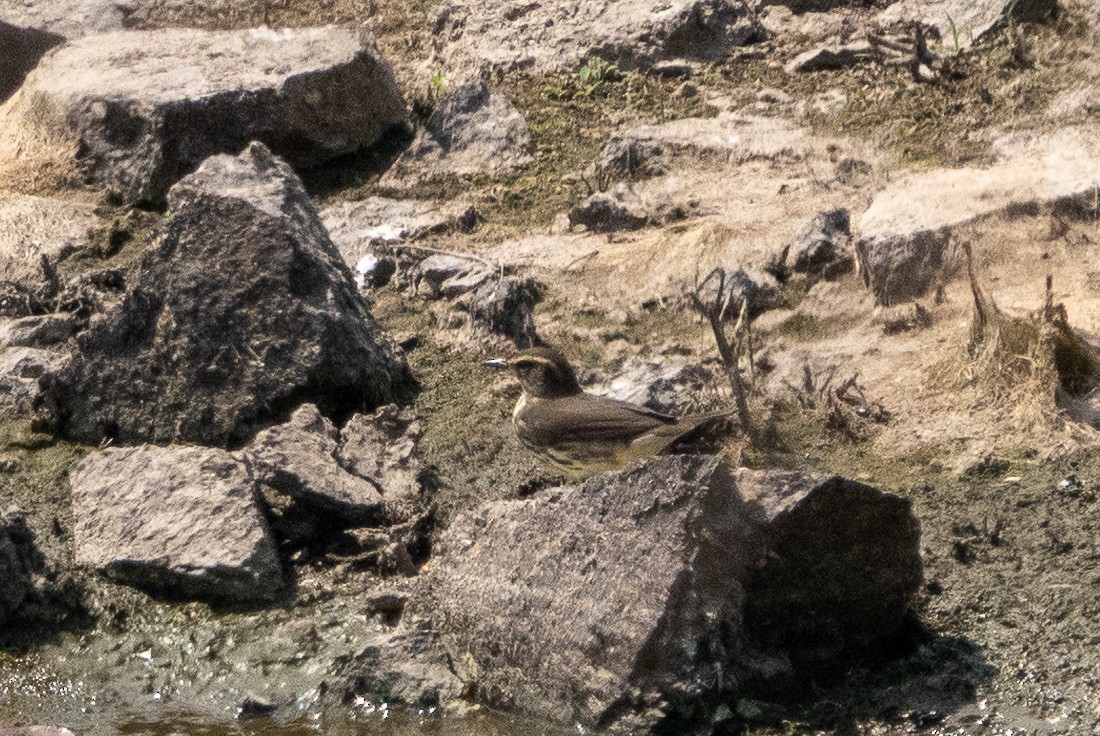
580 433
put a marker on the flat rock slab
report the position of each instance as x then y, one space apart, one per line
905 233
472 131
618 603
182 521
242 310
358 227
962 22
554 35
32 227
139 110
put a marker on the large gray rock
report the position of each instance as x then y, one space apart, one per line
960 23
905 234
68 19
300 459
472 131
21 564
824 245
32 227
643 595
382 448
139 110
182 521
20 50
242 310
553 35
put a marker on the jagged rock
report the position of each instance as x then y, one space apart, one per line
905 234
68 19
501 307
552 36
20 50
824 245
182 521
20 370
300 459
146 107
37 331
243 309
450 275
21 564
619 209
472 131
617 603
971 18
358 228
829 57
833 584
756 286
382 447
32 227
406 666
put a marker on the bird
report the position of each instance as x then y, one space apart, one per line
577 432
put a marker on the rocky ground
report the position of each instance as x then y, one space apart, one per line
255 254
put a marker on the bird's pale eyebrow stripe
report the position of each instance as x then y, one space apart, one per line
533 359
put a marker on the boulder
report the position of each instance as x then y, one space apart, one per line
242 310
824 245
448 275
670 383
20 50
300 459
472 131
32 227
140 109
358 228
644 599
21 564
181 521
552 36
905 234
756 286
835 582
960 23
499 308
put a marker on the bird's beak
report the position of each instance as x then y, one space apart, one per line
496 363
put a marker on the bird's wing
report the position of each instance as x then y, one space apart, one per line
580 419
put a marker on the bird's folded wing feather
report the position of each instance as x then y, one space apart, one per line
593 418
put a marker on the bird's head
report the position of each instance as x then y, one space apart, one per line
544 373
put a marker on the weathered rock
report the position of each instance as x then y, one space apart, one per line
182 521
408 666
500 307
139 110
552 36
242 310
32 227
960 23
472 131
825 244
450 275
20 370
617 603
35 731
69 19
20 50
671 384
628 583
358 228
835 583
382 447
759 288
21 564
904 236
829 57
300 459
37 331
605 212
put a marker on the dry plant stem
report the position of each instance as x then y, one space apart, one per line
730 354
